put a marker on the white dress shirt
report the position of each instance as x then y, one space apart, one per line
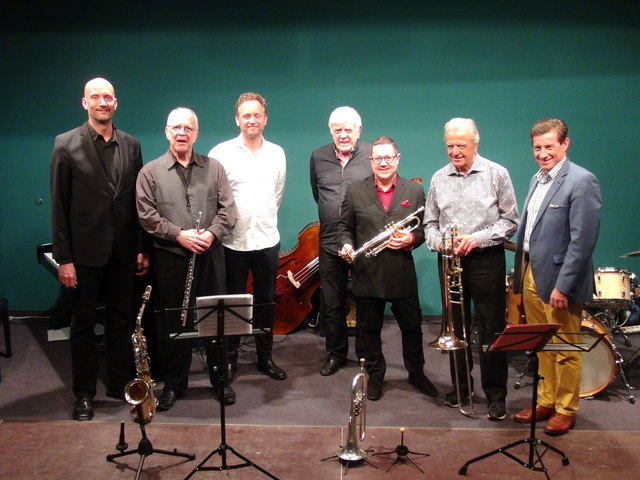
257 183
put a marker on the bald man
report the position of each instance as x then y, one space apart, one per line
96 239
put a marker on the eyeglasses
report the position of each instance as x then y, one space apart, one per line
387 159
186 129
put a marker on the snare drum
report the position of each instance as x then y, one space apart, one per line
613 287
598 365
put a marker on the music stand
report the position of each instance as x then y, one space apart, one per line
532 338
228 313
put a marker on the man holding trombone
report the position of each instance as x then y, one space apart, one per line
476 196
384 271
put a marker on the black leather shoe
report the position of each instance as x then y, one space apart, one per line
271 369
83 409
331 366
422 383
374 389
167 399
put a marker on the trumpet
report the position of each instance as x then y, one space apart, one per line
453 294
357 418
381 241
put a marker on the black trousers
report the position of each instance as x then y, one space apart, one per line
334 275
409 317
263 265
483 283
111 286
171 272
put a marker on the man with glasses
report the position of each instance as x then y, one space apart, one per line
96 241
476 196
184 201
256 170
390 276
333 168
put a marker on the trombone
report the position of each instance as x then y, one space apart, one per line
453 294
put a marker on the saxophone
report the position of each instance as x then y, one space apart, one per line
139 391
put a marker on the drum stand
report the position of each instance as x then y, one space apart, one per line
609 315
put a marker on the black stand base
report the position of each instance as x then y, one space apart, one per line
402 454
535 457
145 448
534 464
222 451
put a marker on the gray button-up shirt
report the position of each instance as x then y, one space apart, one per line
481 203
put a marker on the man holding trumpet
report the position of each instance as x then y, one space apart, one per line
369 206
476 196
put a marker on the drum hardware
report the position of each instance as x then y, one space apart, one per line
613 287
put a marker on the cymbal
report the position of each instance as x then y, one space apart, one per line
631 254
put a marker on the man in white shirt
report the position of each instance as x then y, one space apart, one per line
256 170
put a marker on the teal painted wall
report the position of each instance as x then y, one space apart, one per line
406 71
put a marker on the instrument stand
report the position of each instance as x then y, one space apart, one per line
402 454
221 374
145 448
534 337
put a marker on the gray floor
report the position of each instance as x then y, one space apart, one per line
297 421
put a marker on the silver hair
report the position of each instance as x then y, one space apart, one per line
185 109
344 115
466 124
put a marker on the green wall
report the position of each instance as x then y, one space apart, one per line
406 70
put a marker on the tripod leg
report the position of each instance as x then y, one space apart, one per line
619 362
140 466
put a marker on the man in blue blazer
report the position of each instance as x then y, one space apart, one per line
554 266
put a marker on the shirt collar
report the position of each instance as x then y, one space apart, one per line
544 177
393 185
95 135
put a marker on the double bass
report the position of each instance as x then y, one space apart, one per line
298 278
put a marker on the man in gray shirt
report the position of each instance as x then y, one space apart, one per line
476 196
172 193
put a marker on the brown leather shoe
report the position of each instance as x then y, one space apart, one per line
542 413
559 424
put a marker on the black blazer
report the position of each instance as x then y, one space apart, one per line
90 218
391 274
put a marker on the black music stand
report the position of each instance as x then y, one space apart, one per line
224 314
532 338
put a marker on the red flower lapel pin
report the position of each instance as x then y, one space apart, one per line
406 203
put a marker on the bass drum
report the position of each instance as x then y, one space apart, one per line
598 365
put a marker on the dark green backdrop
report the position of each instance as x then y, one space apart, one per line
406 69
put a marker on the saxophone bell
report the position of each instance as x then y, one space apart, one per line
139 392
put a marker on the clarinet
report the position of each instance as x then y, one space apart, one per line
189 280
